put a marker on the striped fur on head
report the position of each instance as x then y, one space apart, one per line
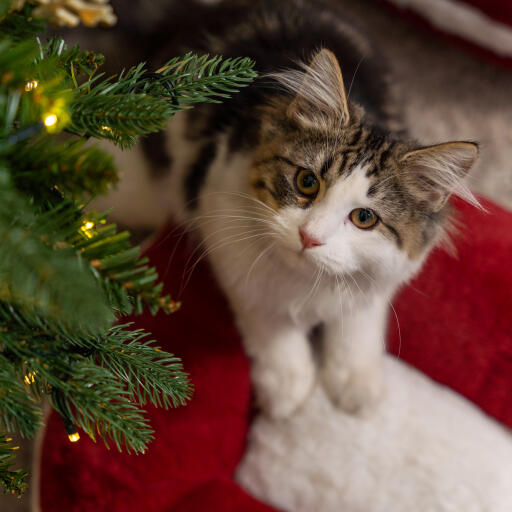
317 128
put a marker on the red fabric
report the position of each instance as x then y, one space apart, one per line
455 325
195 444
456 316
499 10
221 494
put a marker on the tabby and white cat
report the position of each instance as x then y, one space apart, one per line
313 210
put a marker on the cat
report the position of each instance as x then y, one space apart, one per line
310 201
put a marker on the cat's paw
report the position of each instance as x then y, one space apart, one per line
281 391
353 389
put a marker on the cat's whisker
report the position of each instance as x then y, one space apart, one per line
313 289
205 239
354 75
398 327
347 287
394 313
244 196
229 241
228 216
341 305
296 307
260 256
234 223
223 243
354 280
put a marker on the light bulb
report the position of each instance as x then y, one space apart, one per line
30 378
30 86
50 120
74 437
86 228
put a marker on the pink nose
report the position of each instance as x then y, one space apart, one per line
308 241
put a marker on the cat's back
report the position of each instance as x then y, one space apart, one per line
278 35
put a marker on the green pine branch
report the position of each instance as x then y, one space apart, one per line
65 274
19 24
130 284
75 169
98 403
149 373
122 108
100 387
13 481
39 273
20 410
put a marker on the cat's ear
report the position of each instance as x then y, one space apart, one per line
433 173
320 95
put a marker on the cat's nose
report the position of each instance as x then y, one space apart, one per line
307 240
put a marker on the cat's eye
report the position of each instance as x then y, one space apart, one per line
307 182
363 218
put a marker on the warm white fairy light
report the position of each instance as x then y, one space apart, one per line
74 437
30 86
86 228
50 120
30 378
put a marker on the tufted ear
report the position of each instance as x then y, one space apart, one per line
320 93
435 172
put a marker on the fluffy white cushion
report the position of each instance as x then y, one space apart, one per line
423 448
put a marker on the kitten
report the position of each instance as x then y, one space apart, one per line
312 207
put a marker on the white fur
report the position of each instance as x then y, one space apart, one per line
279 292
420 447
423 448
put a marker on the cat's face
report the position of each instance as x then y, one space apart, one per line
347 197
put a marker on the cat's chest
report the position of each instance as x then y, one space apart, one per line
276 289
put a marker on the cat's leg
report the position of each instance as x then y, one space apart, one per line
353 349
282 367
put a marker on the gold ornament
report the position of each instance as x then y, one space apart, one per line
69 13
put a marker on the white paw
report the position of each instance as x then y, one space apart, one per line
353 389
281 391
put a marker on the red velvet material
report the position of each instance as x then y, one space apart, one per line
499 10
200 443
455 325
456 316
221 494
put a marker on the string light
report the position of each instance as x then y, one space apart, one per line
86 228
30 86
50 120
30 378
74 437
107 129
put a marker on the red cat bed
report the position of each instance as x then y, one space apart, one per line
455 326
485 26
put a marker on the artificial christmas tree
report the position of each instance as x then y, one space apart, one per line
65 274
